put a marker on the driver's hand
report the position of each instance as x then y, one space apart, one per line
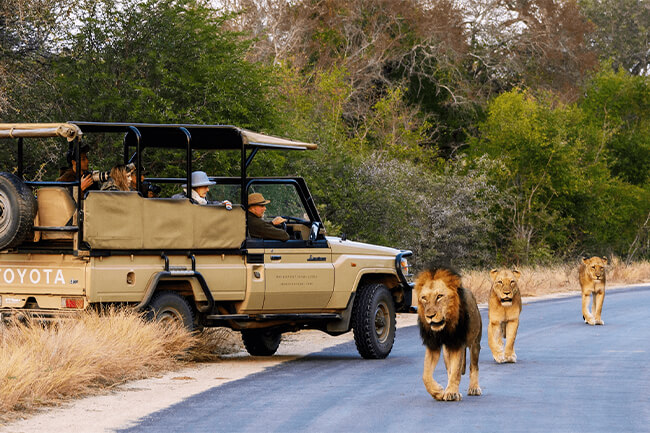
278 220
86 182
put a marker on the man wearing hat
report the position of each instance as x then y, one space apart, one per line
257 227
70 174
200 187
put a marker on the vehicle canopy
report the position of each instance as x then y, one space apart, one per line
138 136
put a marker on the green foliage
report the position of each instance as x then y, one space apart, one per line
165 61
555 166
618 104
539 144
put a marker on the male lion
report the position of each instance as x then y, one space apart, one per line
449 319
504 307
592 281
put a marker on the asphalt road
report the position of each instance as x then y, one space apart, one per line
570 377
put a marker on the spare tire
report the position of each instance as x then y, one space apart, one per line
17 210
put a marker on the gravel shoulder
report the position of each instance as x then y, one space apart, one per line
122 406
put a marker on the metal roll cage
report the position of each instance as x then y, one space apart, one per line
173 136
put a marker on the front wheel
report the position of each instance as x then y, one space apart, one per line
373 321
261 342
172 307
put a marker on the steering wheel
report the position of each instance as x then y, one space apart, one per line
295 220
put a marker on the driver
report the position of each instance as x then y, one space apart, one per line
257 227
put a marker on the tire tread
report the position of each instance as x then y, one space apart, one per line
363 322
25 212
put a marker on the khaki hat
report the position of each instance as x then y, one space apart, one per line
257 198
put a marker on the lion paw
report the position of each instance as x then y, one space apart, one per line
512 358
599 322
590 321
500 359
452 396
474 391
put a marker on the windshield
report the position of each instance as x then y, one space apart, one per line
284 198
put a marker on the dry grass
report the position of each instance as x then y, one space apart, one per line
558 279
43 365
213 342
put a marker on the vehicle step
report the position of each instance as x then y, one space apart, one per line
267 317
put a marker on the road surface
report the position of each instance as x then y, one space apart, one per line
570 377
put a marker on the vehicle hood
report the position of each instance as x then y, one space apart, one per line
340 246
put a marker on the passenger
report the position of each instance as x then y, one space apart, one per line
257 227
147 189
154 190
119 179
200 187
70 174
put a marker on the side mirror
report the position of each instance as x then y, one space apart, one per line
315 229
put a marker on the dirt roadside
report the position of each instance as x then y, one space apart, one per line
125 404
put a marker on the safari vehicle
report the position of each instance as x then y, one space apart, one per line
62 251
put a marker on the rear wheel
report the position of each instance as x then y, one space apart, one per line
171 307
17 210
261 342
373 321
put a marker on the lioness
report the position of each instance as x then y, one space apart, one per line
448 318
504 307
592 281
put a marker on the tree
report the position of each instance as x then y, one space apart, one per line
537 44
29 33
537 143
618 104
380 44
621 32
163 61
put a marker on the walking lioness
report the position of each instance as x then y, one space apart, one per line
592 281
449 319
504 307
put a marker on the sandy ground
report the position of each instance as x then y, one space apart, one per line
124 405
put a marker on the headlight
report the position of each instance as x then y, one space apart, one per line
404 264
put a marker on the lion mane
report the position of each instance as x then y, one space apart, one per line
453 334
449 321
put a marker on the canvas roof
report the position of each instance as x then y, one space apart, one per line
173 136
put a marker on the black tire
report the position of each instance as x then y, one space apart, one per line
17 210
261 342
170 306
373 321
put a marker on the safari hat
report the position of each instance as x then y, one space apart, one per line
257 198
199 178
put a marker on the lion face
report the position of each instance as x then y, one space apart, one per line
504 285
438 300
595 267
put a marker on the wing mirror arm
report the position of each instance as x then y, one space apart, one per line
315 229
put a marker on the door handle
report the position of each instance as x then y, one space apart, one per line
276 257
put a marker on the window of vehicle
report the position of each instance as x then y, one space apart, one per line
284 198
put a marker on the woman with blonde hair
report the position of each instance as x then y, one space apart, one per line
119 179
